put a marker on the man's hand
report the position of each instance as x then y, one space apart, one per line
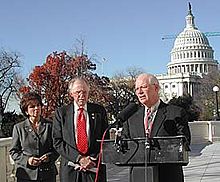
87 162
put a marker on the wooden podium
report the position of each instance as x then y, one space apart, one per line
140 152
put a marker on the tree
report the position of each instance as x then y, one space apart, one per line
122 90
9 67
206 99
8 121
186 101
51 80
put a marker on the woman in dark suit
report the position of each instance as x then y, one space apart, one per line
32 146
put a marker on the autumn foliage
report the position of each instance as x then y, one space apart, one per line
51 80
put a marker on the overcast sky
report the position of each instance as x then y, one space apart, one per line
125 33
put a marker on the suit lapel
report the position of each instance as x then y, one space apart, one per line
42 127
69 124
92 122
28 128
159 118
141 129
136 124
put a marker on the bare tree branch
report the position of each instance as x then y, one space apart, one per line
9 67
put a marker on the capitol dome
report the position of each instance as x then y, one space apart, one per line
191 37
191 52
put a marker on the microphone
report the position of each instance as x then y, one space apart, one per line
127 112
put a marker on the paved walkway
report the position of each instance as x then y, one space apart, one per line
204 165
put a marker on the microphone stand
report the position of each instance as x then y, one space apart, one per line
147 155
120 145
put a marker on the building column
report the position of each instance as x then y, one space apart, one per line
188 89
180 88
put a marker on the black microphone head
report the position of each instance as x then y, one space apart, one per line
129 110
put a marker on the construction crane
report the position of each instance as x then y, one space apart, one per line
208 34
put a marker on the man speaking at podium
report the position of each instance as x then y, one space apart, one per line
155 118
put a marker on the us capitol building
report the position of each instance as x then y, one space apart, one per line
191 57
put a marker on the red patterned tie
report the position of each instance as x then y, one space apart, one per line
82 139
146 122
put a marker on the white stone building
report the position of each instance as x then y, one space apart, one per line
191 58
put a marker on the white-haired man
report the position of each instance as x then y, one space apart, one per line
155 118
76 129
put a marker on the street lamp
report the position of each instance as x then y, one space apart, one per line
216 90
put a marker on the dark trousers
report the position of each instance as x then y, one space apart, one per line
160 173
52 179
143 174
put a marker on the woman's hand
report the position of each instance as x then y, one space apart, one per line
44 158
34 161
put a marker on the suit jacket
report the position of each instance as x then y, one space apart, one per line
65 141
27 143
170 120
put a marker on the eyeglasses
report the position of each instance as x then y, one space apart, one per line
80 92
142 87
145 87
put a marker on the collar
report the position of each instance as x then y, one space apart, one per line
154 107
76 107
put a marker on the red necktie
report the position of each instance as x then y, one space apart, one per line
82 139
146 122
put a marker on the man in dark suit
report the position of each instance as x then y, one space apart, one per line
155 118
78 159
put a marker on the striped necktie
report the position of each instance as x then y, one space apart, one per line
147 124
